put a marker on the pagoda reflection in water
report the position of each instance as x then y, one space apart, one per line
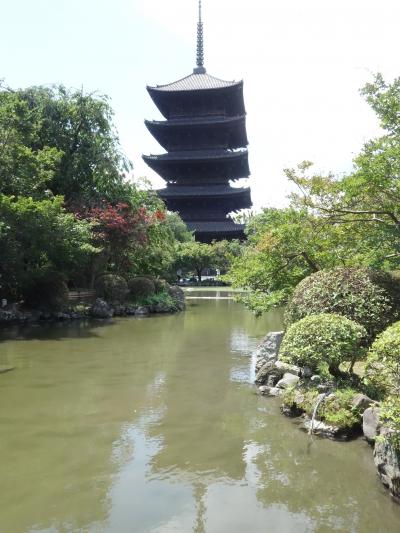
205 138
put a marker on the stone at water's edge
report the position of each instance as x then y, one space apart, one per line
178 296
101 309
387 461
288 380
268 348
371 423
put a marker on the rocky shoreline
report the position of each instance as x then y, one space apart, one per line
15 314
275 378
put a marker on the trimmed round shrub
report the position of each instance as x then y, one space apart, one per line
141 287
369 297
382 372
160 285
49 292
322 342
112 288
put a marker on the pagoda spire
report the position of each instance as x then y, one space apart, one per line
200 46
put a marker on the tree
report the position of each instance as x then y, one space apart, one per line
62 141
39 237
195 256
349 221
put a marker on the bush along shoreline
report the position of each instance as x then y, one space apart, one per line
336 367
115 297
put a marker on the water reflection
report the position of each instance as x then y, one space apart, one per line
154 426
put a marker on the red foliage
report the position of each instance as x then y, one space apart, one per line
119 224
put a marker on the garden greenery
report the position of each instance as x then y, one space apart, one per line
323 342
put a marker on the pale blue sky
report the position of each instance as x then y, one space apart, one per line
302 62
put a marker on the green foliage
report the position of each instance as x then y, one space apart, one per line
141 287
369 297
48 292
111 287
382 372
37 237
390 418
162 299
284 247
195 256
348 221
323 341
60 140
336 409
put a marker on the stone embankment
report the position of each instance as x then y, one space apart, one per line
276 378
16 314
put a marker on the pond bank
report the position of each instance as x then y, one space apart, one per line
15 314
293 384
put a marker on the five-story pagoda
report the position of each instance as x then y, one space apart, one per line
205 138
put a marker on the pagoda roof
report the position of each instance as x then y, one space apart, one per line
196 82
194 191
198 155
196 121
218 165
215 226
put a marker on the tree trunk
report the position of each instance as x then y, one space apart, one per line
198 270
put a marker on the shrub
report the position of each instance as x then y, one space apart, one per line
141 287
159 300
47 292
111 287
160 285
336 409
323 342
369 297
382 372
390 418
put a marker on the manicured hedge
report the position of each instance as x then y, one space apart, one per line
369 297
322 342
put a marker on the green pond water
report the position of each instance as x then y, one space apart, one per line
153 425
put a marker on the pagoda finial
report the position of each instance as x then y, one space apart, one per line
200 46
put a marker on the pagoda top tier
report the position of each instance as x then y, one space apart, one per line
196 82
199 95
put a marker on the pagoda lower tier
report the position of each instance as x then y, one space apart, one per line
218 230
205 209
213 165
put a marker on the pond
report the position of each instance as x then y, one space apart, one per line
153 425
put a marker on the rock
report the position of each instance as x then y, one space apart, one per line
5 369
269 391
142 311
119 310
162 308
371 423
274 391
263 373
273 379
101 309
260 363
288 380
306 372
387 461
361 402
286 367
178 296
269 347
322 429
316 379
